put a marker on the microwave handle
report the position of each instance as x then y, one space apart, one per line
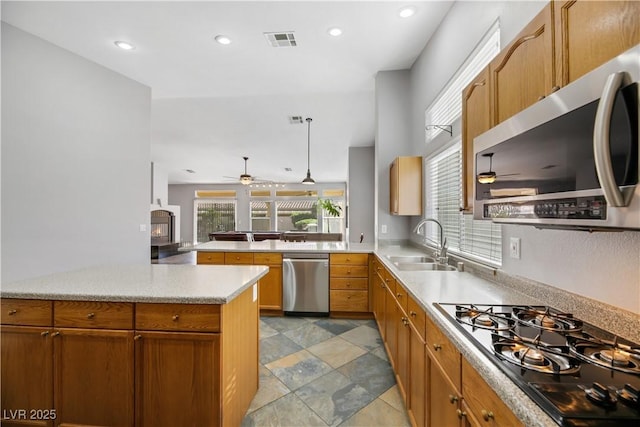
601 146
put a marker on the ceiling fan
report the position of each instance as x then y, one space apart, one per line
245 178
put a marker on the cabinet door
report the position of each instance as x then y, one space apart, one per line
379 292
476 119
93 377
27 373
589 33
417 379
271 289
443 398
523 72
403 367
174 374
390 327
393 188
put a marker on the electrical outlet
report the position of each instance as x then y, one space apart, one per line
514 247
383 229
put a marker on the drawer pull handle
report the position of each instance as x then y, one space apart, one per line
44 334
399 295
413 313
137 337
461 414
437 347
12 312
91 315
487 415
453 398
175 317
55 334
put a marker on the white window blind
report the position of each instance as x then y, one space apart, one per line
476 239
447 106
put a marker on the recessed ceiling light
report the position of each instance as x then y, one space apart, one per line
124 45
335 31
407 12
223 39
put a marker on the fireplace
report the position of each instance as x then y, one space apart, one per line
162 234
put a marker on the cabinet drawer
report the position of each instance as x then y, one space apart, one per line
29 312
93 314
483 401
402 297
341 300
349 270
238 258
417 317
266 258
355 283
178 317
210 257
443 351
350 259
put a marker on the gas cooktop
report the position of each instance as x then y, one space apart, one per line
577 373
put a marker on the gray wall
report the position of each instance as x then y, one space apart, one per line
393 138
75 161
361 193
602 266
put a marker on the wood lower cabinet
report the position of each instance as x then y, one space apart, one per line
379 291
271 283
174 376
405 186
93 365
27 373
349 282
443 397
589 33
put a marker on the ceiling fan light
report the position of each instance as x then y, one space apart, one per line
245 179
486 177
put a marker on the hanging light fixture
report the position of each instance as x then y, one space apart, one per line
308 180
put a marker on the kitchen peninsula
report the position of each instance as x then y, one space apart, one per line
172 344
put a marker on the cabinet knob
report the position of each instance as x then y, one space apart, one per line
91 315
45 333
453 398
399 295
461 414
12 312
555 89
348 296
487 415
437 347
541 97
137 337
413 313
55 334
348 259
175 317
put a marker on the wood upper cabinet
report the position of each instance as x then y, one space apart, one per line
476 119
589 33
27 372
93 365
405 186
524 71
175 372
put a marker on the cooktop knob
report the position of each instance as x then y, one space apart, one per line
601 395
629 395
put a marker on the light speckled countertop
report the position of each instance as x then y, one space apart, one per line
281 246
160 283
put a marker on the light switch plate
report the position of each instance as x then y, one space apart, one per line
383 228
514 247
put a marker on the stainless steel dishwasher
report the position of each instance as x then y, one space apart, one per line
305 282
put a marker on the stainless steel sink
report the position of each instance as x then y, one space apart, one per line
409 259
424 266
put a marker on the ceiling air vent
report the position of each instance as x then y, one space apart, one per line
281 39
295 120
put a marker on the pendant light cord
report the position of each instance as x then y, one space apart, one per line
309 143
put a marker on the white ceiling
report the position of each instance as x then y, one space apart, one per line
213 104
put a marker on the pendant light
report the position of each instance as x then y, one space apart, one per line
308 180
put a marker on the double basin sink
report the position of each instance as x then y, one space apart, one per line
419 263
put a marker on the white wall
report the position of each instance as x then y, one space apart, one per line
602 266
393 138
75 161
159 184
361 192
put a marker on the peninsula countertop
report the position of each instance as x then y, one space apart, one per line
157 283
282 246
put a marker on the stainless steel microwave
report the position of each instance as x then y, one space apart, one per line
571 159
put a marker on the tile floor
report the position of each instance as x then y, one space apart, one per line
321 372
324 372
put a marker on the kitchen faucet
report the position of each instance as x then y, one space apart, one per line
441 253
